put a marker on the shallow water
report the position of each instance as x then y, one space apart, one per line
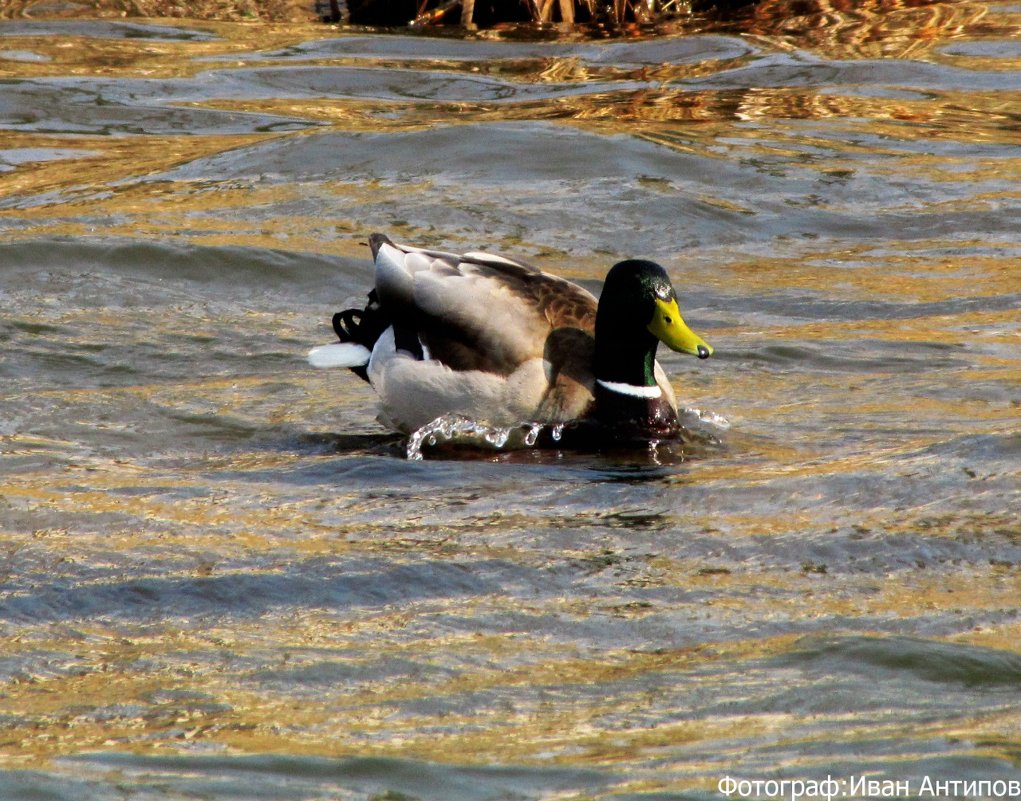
220 578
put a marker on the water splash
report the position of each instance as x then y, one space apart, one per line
711 418
461 430
457 428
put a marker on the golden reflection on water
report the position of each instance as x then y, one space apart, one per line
165 687
876 28
171 685
649 113
106 160
143 57
147 677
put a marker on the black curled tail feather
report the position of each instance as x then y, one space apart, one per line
347 324
362 326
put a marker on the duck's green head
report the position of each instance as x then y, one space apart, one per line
639 291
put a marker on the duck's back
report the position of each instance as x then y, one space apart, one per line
478 311
479 335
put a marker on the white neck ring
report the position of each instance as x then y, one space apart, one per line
632 390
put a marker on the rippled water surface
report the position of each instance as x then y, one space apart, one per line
221 578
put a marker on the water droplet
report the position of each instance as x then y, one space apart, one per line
455 427
497 437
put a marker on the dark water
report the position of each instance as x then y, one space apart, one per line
220 578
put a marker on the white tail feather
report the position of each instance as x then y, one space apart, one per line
339 354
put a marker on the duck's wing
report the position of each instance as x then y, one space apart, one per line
477 311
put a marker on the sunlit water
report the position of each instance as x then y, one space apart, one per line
221 578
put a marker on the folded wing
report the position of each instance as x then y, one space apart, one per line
476 311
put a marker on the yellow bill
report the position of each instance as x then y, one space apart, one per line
669 327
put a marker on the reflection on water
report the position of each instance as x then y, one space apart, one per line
900 29
220 577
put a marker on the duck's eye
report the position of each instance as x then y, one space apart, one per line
667 319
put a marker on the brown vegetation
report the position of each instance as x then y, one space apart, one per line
468 13
835 23
264 10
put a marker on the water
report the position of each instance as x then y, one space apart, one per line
220 578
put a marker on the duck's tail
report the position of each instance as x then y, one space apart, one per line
340 354
357 330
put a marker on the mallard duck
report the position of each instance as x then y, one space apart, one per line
502 342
